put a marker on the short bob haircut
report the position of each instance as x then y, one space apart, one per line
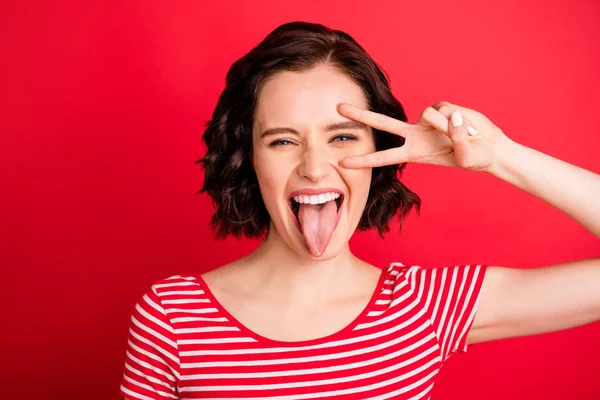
229 177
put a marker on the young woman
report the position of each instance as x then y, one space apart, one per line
305 146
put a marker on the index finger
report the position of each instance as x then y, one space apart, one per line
373 119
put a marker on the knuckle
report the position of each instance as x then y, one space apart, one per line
469 164
440 104
458 135
446 110
363 115
464 164
381 122
389 158
427 113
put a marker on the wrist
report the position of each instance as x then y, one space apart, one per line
506 151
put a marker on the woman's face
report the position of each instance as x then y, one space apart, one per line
296 146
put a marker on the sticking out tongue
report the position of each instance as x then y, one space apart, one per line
318 224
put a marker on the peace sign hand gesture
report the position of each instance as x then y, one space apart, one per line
446 134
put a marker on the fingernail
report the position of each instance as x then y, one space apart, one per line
456 118
472 131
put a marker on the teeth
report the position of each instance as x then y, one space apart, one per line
316 199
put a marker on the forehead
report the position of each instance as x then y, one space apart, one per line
306 99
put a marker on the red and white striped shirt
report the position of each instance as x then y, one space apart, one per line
184 345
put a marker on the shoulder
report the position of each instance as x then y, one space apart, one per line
237 278
181 289
175 282
399 273
420 277
400 269
165 290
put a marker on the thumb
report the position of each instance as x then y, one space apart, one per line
457 132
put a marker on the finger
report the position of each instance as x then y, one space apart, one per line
444 109
373 119
440 104
463 110
447 109
397 155
459 136
433 117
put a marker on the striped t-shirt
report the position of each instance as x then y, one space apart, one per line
184 345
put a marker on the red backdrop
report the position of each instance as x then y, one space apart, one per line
103 107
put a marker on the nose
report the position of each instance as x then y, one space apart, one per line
315 164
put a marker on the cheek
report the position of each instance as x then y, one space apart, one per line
359 181
365 181
272 175
270 170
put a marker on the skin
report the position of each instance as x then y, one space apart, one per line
280 290
309 158
513 302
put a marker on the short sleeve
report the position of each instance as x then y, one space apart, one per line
450 296
152 358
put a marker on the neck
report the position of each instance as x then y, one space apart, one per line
282 273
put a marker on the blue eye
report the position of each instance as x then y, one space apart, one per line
278 142
284 142
346 137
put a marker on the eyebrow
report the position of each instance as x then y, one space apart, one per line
331 127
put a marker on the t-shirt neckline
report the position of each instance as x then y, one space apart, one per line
272 342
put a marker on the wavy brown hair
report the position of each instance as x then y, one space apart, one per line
229 177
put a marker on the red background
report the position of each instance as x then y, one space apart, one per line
103 107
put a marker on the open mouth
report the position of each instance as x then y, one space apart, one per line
295 206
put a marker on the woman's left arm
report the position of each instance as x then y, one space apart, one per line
573 190
522 302
513 302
